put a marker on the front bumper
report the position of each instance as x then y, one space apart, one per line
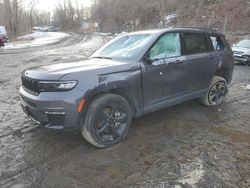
55 110
241 59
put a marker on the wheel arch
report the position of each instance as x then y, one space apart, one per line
224 73
118 91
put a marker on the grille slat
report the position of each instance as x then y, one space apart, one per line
29 84
238 52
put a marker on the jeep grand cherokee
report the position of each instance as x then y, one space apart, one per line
130 76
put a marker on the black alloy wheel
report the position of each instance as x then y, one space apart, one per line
217 93
111 122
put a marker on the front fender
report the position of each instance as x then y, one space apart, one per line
128 84
125 83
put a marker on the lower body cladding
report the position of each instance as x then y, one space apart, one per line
242 59
54 110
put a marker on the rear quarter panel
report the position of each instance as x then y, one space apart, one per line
227 61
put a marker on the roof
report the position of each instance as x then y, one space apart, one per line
176 29
196 29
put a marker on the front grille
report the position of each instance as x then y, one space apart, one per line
238 53
29 84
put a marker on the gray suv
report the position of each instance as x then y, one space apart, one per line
130 76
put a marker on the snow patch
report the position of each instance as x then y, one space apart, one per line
36 39
170 17
104 34
193 173
248 87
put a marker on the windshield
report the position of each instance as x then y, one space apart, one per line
126 47
244 44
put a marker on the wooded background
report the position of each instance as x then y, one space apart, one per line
127 15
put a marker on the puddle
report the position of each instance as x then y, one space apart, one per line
235 135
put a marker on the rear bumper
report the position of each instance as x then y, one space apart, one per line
54 110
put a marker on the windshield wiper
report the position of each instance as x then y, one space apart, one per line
102 57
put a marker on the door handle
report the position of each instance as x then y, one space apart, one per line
178 61
211 57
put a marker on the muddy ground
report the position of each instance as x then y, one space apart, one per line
188 145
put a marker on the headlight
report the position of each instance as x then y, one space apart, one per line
56 86
247 57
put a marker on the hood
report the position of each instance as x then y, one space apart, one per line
241 49
92 65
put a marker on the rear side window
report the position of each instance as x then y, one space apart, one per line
217 42
195 43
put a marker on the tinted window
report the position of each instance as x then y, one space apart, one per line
195 43
167 46
217 43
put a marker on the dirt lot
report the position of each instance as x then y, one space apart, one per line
188 145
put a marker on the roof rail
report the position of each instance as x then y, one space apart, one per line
196 28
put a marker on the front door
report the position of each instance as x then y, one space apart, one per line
164 78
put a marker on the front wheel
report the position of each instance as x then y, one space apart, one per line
216 93
107 121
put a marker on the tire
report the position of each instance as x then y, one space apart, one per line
107 121
216 93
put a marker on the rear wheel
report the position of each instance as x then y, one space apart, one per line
107 121
216 93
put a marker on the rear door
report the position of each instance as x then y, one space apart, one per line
201 60
164 78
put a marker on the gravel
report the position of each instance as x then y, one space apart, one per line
187 145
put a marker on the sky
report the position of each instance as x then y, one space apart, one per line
48 5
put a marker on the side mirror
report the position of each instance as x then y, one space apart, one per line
148 60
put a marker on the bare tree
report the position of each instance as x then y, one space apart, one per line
17 19
8 15
32 5
66 16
